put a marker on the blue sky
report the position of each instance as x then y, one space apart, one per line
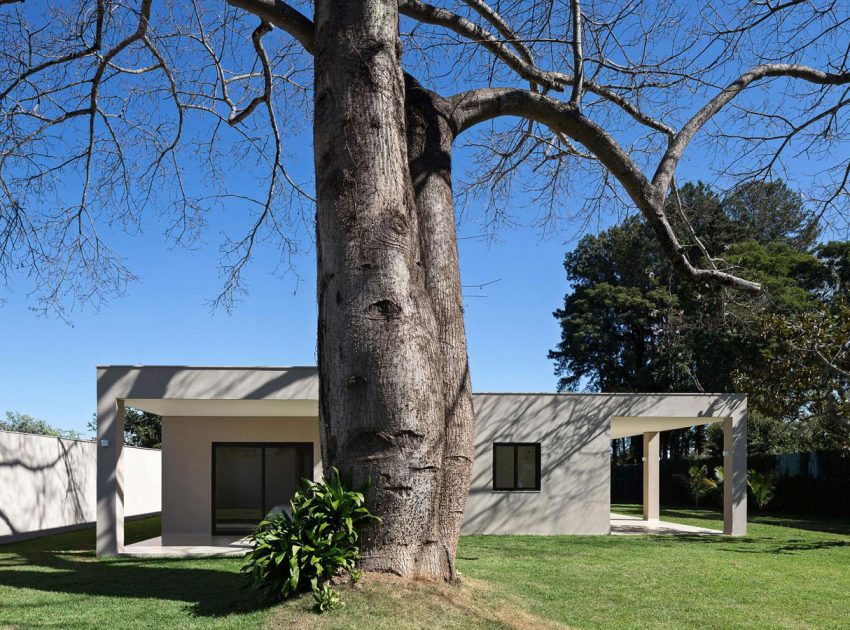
47 367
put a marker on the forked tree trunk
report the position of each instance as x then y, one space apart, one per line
395 406
430 137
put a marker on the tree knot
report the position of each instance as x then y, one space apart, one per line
383 309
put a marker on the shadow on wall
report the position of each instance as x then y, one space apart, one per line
569 432
45 482
200 383
574 431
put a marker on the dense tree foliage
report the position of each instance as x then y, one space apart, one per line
142 428
25 423
633 324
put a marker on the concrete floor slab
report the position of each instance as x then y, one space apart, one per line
622 524
217 546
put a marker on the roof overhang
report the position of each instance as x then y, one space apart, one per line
625 426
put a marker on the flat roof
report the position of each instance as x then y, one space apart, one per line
210 367
477 393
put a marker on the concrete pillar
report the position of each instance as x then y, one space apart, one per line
651 452
110 476
735 475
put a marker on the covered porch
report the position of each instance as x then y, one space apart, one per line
734 465
235 443
237 440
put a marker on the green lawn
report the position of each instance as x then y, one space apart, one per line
58 582
786 573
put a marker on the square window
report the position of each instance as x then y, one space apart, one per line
516 466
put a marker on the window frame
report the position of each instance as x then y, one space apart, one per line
537 467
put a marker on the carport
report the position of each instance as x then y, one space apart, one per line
734 462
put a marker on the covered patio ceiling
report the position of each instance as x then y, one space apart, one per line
625 426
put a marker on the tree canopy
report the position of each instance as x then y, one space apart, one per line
116 114
25 423
142 428
632 323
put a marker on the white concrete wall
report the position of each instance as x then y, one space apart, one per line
49 484
574 431
187 465
575 465
142 481
574 496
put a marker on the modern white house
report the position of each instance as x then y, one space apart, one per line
236 441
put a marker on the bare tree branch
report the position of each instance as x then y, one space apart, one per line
525 68
578 56
667 166
474 107
281 15
429 14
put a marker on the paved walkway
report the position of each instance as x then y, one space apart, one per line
217 546
624 525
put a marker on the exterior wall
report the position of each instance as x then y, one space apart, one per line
142 481
575 432
574 496
278 404
117 383
48 484
187 465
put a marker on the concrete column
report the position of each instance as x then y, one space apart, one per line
735 475
651 452
110 476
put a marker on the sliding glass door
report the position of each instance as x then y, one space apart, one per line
250 479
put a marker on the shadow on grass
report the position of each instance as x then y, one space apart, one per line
66 563
84 539
208 591
809 523
751 545
812 524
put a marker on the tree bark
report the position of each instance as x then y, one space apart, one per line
430 135
395 408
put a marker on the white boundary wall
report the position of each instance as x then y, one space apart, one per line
49 484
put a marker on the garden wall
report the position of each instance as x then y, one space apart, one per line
49 484
815 483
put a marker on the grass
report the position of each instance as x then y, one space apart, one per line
791 573
58 582
786 573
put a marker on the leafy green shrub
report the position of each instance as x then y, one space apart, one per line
762 487
291 554
325 599
700 482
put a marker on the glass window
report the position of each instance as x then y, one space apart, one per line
516 466
503 470
239 482
252 479
286 466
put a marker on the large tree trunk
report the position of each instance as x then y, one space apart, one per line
395 407
430 137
